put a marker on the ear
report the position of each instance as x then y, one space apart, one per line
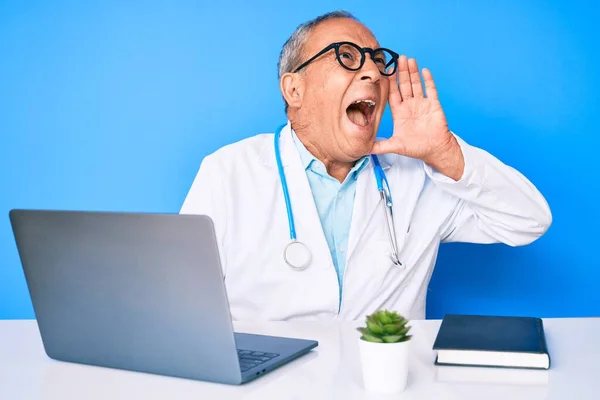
292 89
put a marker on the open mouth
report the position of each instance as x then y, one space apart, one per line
361 112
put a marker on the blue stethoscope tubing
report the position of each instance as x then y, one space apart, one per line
296 254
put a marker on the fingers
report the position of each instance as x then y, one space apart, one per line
429 85
415 78
394 93
410 79
404 75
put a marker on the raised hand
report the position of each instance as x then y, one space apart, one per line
420 127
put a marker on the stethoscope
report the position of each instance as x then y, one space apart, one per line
296 254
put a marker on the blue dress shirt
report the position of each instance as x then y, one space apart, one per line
334 202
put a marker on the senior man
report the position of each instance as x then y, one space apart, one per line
315 184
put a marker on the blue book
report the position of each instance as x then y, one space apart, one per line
492 341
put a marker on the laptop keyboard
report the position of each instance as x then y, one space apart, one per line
250 359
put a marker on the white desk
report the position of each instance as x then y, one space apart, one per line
331 371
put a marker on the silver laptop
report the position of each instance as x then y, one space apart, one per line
139 292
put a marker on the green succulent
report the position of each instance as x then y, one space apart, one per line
385 326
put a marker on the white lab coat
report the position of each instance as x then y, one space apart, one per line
238 186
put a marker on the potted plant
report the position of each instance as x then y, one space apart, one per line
383 349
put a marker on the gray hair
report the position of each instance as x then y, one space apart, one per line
293 49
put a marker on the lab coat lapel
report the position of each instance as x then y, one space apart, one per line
366 201
306 218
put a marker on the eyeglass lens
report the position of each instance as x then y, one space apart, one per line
350 56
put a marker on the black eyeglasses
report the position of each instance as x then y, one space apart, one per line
352 57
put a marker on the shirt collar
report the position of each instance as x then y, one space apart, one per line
310 162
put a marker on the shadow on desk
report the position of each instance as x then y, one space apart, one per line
490 376
66 381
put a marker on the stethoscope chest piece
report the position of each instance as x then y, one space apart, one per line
297 255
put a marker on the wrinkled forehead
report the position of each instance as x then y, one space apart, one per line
339 30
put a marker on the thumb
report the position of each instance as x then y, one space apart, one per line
383 146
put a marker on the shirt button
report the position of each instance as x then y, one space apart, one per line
339 196
341 249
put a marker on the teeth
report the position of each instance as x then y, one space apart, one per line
370 103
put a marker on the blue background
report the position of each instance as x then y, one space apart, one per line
112 105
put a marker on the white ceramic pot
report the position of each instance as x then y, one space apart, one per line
384 366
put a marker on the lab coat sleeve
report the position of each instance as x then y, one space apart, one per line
206 196
496 203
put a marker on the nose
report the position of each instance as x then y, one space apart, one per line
369 70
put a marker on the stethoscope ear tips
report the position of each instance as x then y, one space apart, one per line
396 261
